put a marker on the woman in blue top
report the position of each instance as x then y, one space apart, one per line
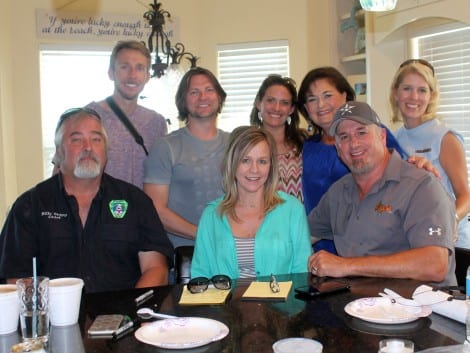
414 98
322 91
253 230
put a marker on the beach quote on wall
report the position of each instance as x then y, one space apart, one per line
95 27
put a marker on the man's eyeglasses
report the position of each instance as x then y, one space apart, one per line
70 112
418 61
200 284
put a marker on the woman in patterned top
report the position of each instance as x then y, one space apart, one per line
275 110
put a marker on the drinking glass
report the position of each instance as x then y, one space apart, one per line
34 307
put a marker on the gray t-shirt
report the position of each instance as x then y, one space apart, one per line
407 208
191 168
125 156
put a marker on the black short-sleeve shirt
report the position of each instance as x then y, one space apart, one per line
44 223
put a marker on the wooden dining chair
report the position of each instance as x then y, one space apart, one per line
462 261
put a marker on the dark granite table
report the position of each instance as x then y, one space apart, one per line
255 326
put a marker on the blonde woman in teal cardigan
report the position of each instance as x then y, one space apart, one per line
253 230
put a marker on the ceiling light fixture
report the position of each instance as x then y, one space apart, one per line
164 50
378 5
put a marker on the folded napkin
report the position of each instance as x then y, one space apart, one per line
438 301
211 296
262 291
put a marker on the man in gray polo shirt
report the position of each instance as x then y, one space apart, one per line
387 218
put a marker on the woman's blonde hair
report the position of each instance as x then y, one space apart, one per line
241 141
425 70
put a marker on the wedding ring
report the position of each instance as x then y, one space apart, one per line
314 269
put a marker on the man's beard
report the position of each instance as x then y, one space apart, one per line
87 169
360 167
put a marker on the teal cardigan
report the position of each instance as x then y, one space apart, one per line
282 243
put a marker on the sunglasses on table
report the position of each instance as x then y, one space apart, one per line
418 61
200 284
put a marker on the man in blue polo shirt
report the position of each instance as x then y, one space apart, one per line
84 223
387 218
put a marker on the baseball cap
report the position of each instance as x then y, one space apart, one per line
357 111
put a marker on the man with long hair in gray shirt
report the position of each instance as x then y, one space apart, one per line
182 172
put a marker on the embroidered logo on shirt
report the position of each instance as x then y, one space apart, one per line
381 208
53 215
435 231
118 208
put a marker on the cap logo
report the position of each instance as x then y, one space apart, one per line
347 108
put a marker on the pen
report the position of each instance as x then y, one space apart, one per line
121 331
274 285
142 298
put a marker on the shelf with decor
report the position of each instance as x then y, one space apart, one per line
352 22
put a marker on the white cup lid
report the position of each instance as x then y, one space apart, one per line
297 345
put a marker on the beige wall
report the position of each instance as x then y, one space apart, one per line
203 25
310 26
8 183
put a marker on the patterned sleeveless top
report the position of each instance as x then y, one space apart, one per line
290 174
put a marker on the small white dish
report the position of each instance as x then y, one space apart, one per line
297 345
182 333
382 311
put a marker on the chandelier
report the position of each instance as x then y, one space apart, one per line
165 53
378 5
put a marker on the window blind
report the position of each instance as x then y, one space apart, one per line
241 69
448 50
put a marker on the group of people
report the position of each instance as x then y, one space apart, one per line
252 201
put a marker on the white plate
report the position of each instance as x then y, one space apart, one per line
382 311
180 333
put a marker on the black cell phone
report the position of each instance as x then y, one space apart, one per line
321 287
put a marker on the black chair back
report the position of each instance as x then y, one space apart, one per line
183 259
462 261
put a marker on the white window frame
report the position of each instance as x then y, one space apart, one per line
241 69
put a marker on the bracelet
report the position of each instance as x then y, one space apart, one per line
457 218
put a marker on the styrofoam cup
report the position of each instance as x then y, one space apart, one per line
10 308
64 300
297 345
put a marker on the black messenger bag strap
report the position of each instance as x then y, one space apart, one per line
125 120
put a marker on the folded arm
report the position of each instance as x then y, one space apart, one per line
429 263
452 158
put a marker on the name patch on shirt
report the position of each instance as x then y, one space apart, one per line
118 208
53 215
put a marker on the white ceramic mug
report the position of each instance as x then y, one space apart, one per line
64 300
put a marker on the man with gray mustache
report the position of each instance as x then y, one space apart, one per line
84 223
